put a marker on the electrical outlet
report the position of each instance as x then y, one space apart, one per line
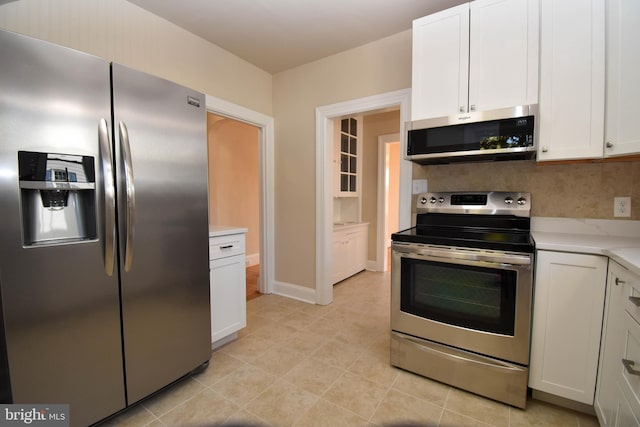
622 206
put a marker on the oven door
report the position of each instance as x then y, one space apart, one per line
473 299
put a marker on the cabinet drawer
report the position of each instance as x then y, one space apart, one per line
630 382
224 246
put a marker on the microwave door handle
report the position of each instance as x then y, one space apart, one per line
130 196
106 161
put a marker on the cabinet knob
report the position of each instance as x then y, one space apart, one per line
462 110
472 108
619 282
545 149
609 144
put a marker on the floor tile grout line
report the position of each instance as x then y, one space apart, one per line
389 388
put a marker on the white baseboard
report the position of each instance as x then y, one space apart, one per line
372 265
297 292
252 259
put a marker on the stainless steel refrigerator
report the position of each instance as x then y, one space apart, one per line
103 230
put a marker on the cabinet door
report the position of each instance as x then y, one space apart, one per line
567 322
440 63
607 396
228 296
341 256
624 414
358 247
623 87
503 61
347 155
572 63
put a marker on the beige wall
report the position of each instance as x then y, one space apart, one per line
375 68
122 32
233 177
374 125
569 190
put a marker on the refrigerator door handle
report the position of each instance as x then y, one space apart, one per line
106 158
130 194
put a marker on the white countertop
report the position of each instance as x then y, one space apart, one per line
617 239
627 257
224 230
345 225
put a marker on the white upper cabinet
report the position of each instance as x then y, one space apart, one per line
572 66
440 83
476 56
622 131
503 54
347 157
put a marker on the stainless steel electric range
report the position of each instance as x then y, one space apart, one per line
461 292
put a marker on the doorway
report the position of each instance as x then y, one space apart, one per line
234 185
265 125
324 176
388 196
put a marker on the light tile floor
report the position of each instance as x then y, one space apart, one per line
298 364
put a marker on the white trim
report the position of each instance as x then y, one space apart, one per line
297 292
383 194
324 175
267 225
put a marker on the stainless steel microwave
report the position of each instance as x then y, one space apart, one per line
505 134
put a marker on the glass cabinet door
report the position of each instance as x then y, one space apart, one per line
348 156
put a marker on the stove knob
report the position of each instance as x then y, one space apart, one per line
441 199
432 200
522 201
423 201
508 200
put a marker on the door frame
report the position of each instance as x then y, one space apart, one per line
265 125
324 175
383 193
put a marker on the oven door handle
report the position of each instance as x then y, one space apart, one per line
454 254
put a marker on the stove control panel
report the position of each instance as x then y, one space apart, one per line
481 203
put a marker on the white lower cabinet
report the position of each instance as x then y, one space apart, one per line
227 277
617 401
567 323
349 251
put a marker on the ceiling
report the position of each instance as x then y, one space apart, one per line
276 35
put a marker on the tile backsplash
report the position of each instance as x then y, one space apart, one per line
581 190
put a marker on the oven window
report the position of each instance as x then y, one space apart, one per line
472 297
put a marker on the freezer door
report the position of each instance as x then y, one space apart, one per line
61 309
161 161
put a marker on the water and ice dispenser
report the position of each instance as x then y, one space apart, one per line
58 200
